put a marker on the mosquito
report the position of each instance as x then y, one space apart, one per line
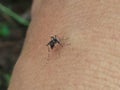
54 40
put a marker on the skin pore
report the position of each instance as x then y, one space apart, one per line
89 58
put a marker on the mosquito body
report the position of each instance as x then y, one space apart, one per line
54 40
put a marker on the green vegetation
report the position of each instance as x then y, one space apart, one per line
4 30
13 15
13 25
7 78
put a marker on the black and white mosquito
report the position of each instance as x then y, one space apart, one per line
54 40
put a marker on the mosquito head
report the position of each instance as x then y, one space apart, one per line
53 37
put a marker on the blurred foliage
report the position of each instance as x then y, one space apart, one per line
14 20
4 30
9 12
7 78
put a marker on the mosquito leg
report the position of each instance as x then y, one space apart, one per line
60 44
48 49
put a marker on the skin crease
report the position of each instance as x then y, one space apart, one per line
90 56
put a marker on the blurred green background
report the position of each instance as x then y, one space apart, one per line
14 20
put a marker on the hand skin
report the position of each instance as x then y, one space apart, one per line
90 57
